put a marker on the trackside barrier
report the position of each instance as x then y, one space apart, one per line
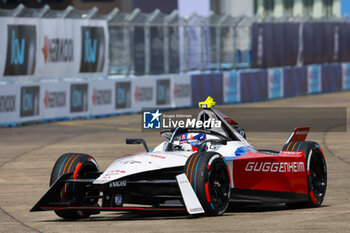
51 100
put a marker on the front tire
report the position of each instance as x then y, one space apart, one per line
209 176
316 172
78 165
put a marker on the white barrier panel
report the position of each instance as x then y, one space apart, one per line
9 103
58 48
53 48
54 99
19 39
72 48
101 97
143 93
181 91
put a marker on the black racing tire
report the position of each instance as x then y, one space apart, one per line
209 176
78 165
316 171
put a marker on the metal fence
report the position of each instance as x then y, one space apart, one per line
156 43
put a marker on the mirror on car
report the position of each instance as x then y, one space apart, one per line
137 141
167 135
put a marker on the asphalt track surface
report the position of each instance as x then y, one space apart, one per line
27 155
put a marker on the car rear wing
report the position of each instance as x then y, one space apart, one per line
299 134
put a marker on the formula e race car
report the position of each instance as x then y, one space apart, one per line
199 170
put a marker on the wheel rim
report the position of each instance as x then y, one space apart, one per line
219 185
318 175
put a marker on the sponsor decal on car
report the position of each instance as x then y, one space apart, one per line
196 210
118 200
114 184
275 167
157 156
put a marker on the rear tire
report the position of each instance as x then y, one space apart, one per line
209 177
79 165
316 170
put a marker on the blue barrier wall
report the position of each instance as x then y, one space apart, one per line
275 83
346 76
204 85
232 91
331 78
253 85
294 81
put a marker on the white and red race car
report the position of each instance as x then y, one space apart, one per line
198 170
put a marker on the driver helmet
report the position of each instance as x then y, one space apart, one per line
194 139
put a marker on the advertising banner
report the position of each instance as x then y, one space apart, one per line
9 103
101 96
54 100
181 91
30 103
204 85
275 44
123 95
58 48
18 46
344 38
291 34
331 78
346 76
144 93
275 83
79 99
231 88
253 85
53 48
313 79
295 81
94 47
319 42
288 44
